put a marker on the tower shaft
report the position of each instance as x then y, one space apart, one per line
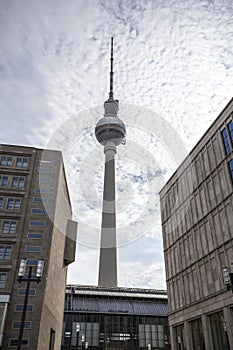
108 251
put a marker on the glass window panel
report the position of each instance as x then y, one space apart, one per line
22 162
9 226
38 211
3 277
41 190
36 223
35 235
225 141
20 308
6 160
35 249
1 202
230 164
23 291
230 128
3 180
27 324
40 199
5 252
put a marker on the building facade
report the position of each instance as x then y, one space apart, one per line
35 224
197 225
100 318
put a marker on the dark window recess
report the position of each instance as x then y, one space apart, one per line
225 141
230 128
52 339
230 164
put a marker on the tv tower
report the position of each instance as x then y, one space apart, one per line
110 132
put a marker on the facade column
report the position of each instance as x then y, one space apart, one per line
207 332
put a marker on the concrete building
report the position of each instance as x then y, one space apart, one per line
197 224
100 318
35 224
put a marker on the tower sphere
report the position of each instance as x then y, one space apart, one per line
110 128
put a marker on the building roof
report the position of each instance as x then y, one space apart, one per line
90 299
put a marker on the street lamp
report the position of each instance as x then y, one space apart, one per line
228 277
86 345
77 334
149 346
83 340
22 277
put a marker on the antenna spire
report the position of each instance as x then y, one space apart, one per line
111 71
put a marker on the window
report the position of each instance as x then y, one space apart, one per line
18 181
35 235
27 324
3 277
38 211
6 160
32 262
225 141
14 342
1 202
52 339
23 291
13 203
45 170
43 180
40 199
47 161
33 249
36 223
230 128
3 180
9 226
20 308
5 252
21 162
41 190
230 164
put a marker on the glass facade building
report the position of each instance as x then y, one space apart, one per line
115 318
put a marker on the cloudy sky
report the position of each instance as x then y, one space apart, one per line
173 64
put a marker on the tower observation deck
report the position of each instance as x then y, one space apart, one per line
110 132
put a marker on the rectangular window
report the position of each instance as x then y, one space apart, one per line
37 223
45 170
1 202
43 180
32 262
41 190
225 141
13 203
27 324
14 342
38 211
32 292
230 128
40 199
47 161
5 252
3 180
18 181
20 308
5 160
33 249
34 235
9 226
21 162
230 164
3 277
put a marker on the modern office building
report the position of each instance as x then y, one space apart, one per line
197 224
100 318
35 225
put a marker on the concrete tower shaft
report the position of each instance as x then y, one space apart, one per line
110 132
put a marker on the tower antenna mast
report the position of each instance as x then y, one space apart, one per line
111 71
